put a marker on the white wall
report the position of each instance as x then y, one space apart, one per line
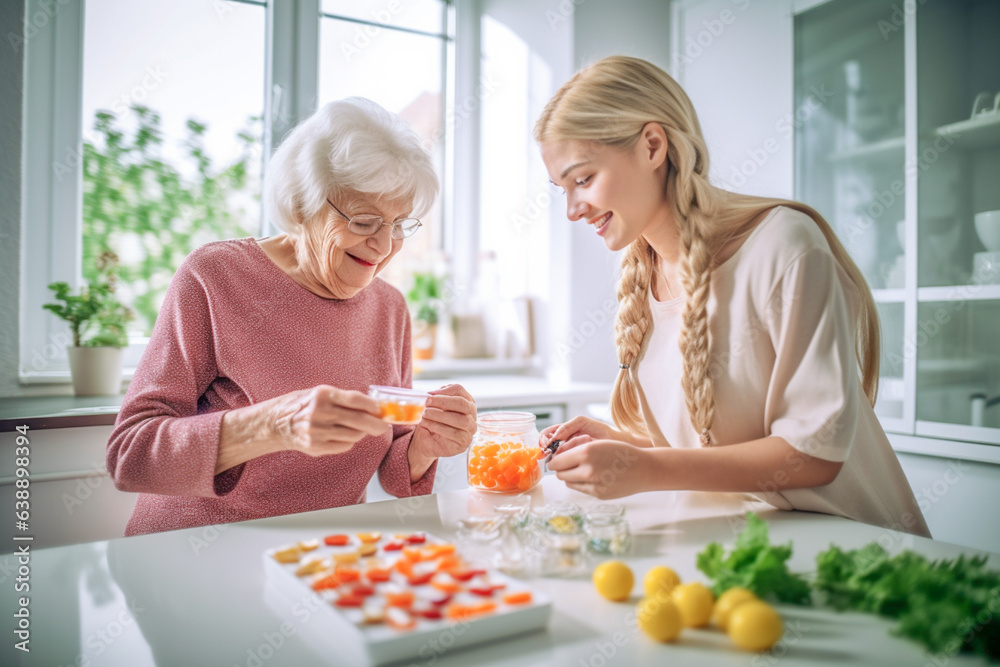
735 60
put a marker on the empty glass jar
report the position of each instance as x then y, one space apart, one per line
607 529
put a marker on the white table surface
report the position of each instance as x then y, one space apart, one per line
197 597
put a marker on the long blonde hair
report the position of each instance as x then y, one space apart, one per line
609 103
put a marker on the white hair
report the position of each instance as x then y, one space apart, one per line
349 145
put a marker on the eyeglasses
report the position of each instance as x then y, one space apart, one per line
367 225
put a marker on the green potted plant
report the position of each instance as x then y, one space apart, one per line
97 320
425 298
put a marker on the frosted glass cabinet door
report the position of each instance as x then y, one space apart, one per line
958 157
849 156
958 232
891 389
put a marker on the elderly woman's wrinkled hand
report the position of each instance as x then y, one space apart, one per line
448 423
326 420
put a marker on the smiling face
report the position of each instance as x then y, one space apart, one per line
619 193
343 262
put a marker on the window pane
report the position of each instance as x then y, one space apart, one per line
425 15
172 99
403 72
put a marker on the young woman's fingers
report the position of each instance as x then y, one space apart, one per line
577 474
575 441
582 487
567 430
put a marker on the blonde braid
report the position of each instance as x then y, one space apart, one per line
631 324
689 192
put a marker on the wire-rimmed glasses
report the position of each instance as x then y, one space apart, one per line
367 225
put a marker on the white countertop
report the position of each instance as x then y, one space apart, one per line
197 597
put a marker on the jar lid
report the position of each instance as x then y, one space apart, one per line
605 512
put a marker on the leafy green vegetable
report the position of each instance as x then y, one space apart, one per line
754 564
949 606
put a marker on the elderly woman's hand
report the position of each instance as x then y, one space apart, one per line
448 424
326 420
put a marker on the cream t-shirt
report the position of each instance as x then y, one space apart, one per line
782 313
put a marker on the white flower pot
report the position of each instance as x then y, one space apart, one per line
97 371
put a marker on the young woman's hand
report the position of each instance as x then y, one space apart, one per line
602 468
578 431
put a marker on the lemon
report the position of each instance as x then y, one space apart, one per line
659 618
614 580
755 626
694 601
729 601
661 580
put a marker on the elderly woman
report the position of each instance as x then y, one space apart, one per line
250 399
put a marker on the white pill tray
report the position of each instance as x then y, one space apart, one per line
342 631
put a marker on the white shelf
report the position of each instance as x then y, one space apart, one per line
963 365
944 448
959 293
979 132
887 149
432 368
961 432
889 295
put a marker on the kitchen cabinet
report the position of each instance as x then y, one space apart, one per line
864 110
900 162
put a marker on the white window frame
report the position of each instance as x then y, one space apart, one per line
53 150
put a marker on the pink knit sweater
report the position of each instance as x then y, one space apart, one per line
234 330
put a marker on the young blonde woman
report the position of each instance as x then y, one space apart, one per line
748 340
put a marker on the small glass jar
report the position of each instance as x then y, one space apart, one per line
561 539
398 405
504 456
607 529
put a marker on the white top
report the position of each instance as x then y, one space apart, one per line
783 364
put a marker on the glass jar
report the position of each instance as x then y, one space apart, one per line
504 456
561 539
399 405
607 529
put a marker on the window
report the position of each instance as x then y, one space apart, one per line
396 55
148 124
171 136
